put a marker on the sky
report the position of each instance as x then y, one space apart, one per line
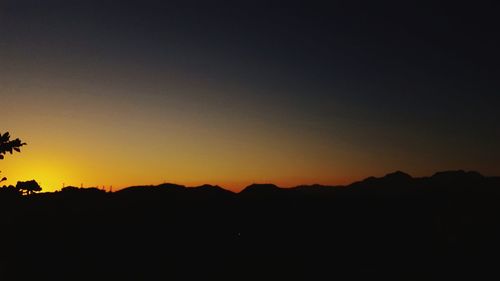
120 93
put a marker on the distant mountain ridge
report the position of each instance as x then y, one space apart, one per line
394 179
395 225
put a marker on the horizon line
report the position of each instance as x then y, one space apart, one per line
112 189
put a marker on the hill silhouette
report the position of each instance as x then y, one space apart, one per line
393 227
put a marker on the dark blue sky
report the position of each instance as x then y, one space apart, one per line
389 81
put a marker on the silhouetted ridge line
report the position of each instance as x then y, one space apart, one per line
315 187
394 182
398 176
160 187
79 190
260 188
209 188
441 223
457 175
387 225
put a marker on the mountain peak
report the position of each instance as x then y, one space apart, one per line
209 188
398 175
264 187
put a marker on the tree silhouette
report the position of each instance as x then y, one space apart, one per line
28 187
7 145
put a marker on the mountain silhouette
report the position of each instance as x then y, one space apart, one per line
146 188
391 179
260 188
393 227
457 177
209 188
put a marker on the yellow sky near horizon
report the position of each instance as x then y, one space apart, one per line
100 141
121 95
95 158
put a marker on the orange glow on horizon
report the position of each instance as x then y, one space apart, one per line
55 170
91 140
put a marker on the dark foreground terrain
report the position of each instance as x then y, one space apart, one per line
396 227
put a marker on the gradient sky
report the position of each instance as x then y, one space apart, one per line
235 92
